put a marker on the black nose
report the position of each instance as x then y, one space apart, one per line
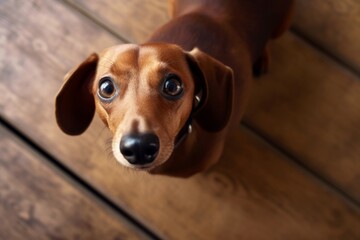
139 149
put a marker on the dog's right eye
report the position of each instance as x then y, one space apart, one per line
172 87
107 89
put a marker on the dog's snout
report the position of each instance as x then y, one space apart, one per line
139 149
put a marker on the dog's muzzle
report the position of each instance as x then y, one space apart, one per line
140 149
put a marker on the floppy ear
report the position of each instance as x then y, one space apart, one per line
74 104
214 82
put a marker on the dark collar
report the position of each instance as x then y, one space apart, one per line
187 128
184 131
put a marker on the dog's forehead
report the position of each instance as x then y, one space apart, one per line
155 59
149 61
109 57
141 55
161 51
119 53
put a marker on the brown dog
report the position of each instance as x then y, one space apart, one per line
171 101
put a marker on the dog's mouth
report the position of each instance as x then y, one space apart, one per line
148 167
183 133
145 152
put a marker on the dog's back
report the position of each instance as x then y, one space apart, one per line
233 31
213 25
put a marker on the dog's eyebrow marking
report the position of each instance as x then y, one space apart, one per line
109 56
126 61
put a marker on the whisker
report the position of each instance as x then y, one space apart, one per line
108 149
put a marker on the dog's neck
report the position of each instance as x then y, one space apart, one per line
187 160
184 132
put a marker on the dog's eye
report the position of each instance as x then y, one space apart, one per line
172 87
107 89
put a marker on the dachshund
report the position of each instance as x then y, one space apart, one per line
171 101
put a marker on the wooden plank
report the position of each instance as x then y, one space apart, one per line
307 104
334 25
254 193
41 54
37 202
310 106
248 195
133 20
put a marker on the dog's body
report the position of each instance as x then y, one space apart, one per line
149 95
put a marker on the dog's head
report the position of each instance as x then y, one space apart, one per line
146 95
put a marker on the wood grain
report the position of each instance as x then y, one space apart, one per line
34 58
36 202
307 104
133 20
254 193
334 25
310 107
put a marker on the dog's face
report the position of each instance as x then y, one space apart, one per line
145 95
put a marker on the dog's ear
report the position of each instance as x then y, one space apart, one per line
74 104
214 84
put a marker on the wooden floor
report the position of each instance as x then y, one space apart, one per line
290 171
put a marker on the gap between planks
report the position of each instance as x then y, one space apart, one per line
92 18
319 48
288 155
81 184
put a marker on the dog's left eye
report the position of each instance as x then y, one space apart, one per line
172 87
107 89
